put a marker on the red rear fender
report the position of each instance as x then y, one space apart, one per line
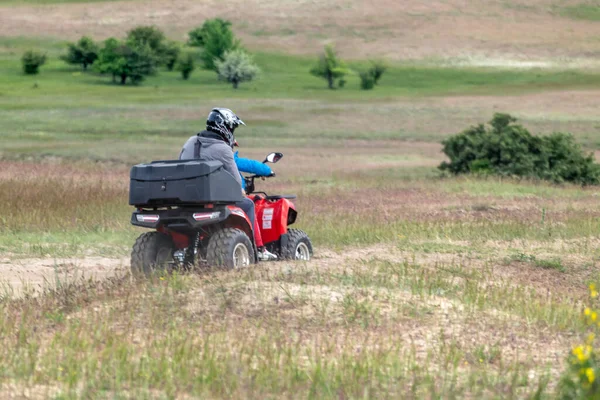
238 219
180 240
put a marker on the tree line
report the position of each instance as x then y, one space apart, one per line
146 49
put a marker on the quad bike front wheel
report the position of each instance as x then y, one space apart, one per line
298 247
152 252
230 248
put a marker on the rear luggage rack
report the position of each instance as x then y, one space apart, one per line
176 183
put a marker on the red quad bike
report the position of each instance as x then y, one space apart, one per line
190 205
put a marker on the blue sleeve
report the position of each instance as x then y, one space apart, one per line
252 166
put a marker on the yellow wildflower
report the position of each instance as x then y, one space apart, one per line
592 287
587 311
594 316
582 354
590 375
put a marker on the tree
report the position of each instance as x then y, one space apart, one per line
32 60
330 67
236 67
186 65
108 57
171 53
83 53
197 36
149 36
216 38
165 52
126 61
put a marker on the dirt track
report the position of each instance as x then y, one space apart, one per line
32 275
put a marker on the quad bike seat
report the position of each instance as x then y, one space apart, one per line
282 196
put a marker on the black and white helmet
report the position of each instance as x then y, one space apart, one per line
223 121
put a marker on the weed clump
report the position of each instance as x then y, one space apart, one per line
508 149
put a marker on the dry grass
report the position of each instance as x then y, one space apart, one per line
422 287
336 193
449 300
348 328
50 196
508 32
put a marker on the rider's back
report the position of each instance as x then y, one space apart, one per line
207 146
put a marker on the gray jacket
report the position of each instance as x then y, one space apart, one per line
211 149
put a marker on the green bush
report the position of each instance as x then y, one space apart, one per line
508 149
83 53
330 67
377 69
216 38
370 77
32 60
186 65
171 53
367 81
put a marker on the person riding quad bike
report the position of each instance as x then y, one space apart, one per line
216 143
259 169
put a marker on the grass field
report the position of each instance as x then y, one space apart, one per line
422 285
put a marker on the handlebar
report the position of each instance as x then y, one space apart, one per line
250 181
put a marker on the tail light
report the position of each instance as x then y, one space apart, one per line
206 216
147 218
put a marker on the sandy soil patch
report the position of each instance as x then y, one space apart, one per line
32 275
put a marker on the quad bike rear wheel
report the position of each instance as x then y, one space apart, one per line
230 248
152 252
298 247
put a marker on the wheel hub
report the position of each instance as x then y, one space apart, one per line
302 252
241 256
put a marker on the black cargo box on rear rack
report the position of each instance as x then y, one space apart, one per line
182 182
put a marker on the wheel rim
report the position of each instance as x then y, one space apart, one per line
302 252
241 256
